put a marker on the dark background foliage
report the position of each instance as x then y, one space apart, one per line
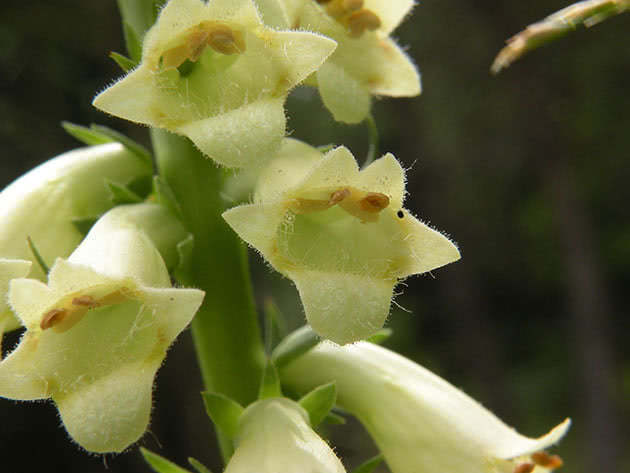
526 171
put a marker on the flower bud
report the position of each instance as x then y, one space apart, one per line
274 436
420 422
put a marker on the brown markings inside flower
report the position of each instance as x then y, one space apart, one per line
52 317
74 308
374 202
525 468
352 15
547 461
218 36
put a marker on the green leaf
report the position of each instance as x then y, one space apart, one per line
370 465
160 464
131 145
86 135
275 323
133 42
270 384
123 62
84 224
197 465
224 412
381 336
334 419
166 197
319 402
120 194
141 185
37 255
294 346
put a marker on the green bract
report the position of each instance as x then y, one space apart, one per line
274 436
340 234
214 73
46 203
420 422
97 333
366 62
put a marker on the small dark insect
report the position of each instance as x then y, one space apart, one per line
400 214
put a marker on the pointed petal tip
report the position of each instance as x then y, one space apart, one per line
541 443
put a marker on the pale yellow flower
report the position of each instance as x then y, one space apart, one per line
366 62
97 333
340 233
216 74
46 203
419 421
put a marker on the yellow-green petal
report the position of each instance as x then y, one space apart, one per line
343 307
346 97
248 135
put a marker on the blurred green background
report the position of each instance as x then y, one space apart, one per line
526 171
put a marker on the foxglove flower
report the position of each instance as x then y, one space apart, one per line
214 73
366 62
274 436
97 333
46 203
420 422
340 234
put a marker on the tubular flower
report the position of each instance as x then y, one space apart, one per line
46 203
340 234
274 436
214 73
419 421
97 333
366 62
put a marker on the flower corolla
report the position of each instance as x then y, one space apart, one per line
366 62
420 422
97 332
215 73
46 204
340 233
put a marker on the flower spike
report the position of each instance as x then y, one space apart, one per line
340 234
216 74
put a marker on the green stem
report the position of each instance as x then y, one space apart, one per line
225 330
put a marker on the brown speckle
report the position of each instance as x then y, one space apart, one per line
52 317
